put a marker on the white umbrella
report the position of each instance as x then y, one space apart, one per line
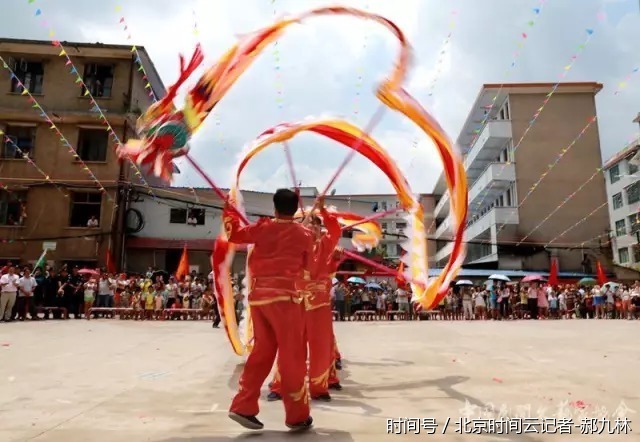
496 277
464 282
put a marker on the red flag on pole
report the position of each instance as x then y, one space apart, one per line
602 278
183 266
111 267
553 271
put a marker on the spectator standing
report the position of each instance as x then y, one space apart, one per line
26 289
339 298
8 293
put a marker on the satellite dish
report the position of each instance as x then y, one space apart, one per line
333 192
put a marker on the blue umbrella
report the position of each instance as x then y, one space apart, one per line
356 280
373 285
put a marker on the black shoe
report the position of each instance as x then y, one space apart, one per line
249 422
273 396
302 426
216 326
335 386
338 364
322 397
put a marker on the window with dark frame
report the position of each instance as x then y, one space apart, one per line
614 174
99 79
12 206
621 228
178 216
623 255
633 193
634 223
636 254
198 215
30 74
632 168
92 144
18 141
84 205
617 200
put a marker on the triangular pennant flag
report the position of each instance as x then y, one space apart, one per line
62 52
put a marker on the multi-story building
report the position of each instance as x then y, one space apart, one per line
521 167
623 192
192 218
47 193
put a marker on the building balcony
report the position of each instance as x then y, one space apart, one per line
484 229
442 208
493 182
444 229
487 148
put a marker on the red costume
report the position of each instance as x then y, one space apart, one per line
282 253
319 318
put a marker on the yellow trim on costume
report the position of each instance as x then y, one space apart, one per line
301 395
306 275
315 307
323 379
282 220
271 301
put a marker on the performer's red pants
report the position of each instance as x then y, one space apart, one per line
319 333
278 329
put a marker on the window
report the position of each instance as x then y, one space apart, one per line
178 216
392 250
623 255
633 193
634 223
85 206
504 113
383 206
617 201
12 208
18 141
400 227
621 228
92 144
636 254
196 217
632 168
99 79
383 227
30 74
614 174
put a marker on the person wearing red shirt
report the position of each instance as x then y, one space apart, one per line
282 255
317 300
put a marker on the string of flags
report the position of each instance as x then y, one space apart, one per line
24 155
507 75
536 115
86 92
52 126
623 84
442 53
544 174
593 212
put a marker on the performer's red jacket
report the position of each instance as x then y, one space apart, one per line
281 257
317 289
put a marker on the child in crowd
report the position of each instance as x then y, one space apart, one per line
89 295
159 301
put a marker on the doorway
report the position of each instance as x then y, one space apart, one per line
172 260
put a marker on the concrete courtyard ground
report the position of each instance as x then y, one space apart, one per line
111 380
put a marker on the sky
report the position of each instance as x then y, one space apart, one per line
330 66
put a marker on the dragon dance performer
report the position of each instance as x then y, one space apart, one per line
318 317
281 257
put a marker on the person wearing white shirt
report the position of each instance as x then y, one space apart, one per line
26 286
8 293
402 298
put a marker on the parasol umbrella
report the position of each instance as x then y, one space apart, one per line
89 272
464 282
356 280
587 281
611 285
496 277
373 285
533 278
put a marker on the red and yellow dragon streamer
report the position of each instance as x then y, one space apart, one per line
166 131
